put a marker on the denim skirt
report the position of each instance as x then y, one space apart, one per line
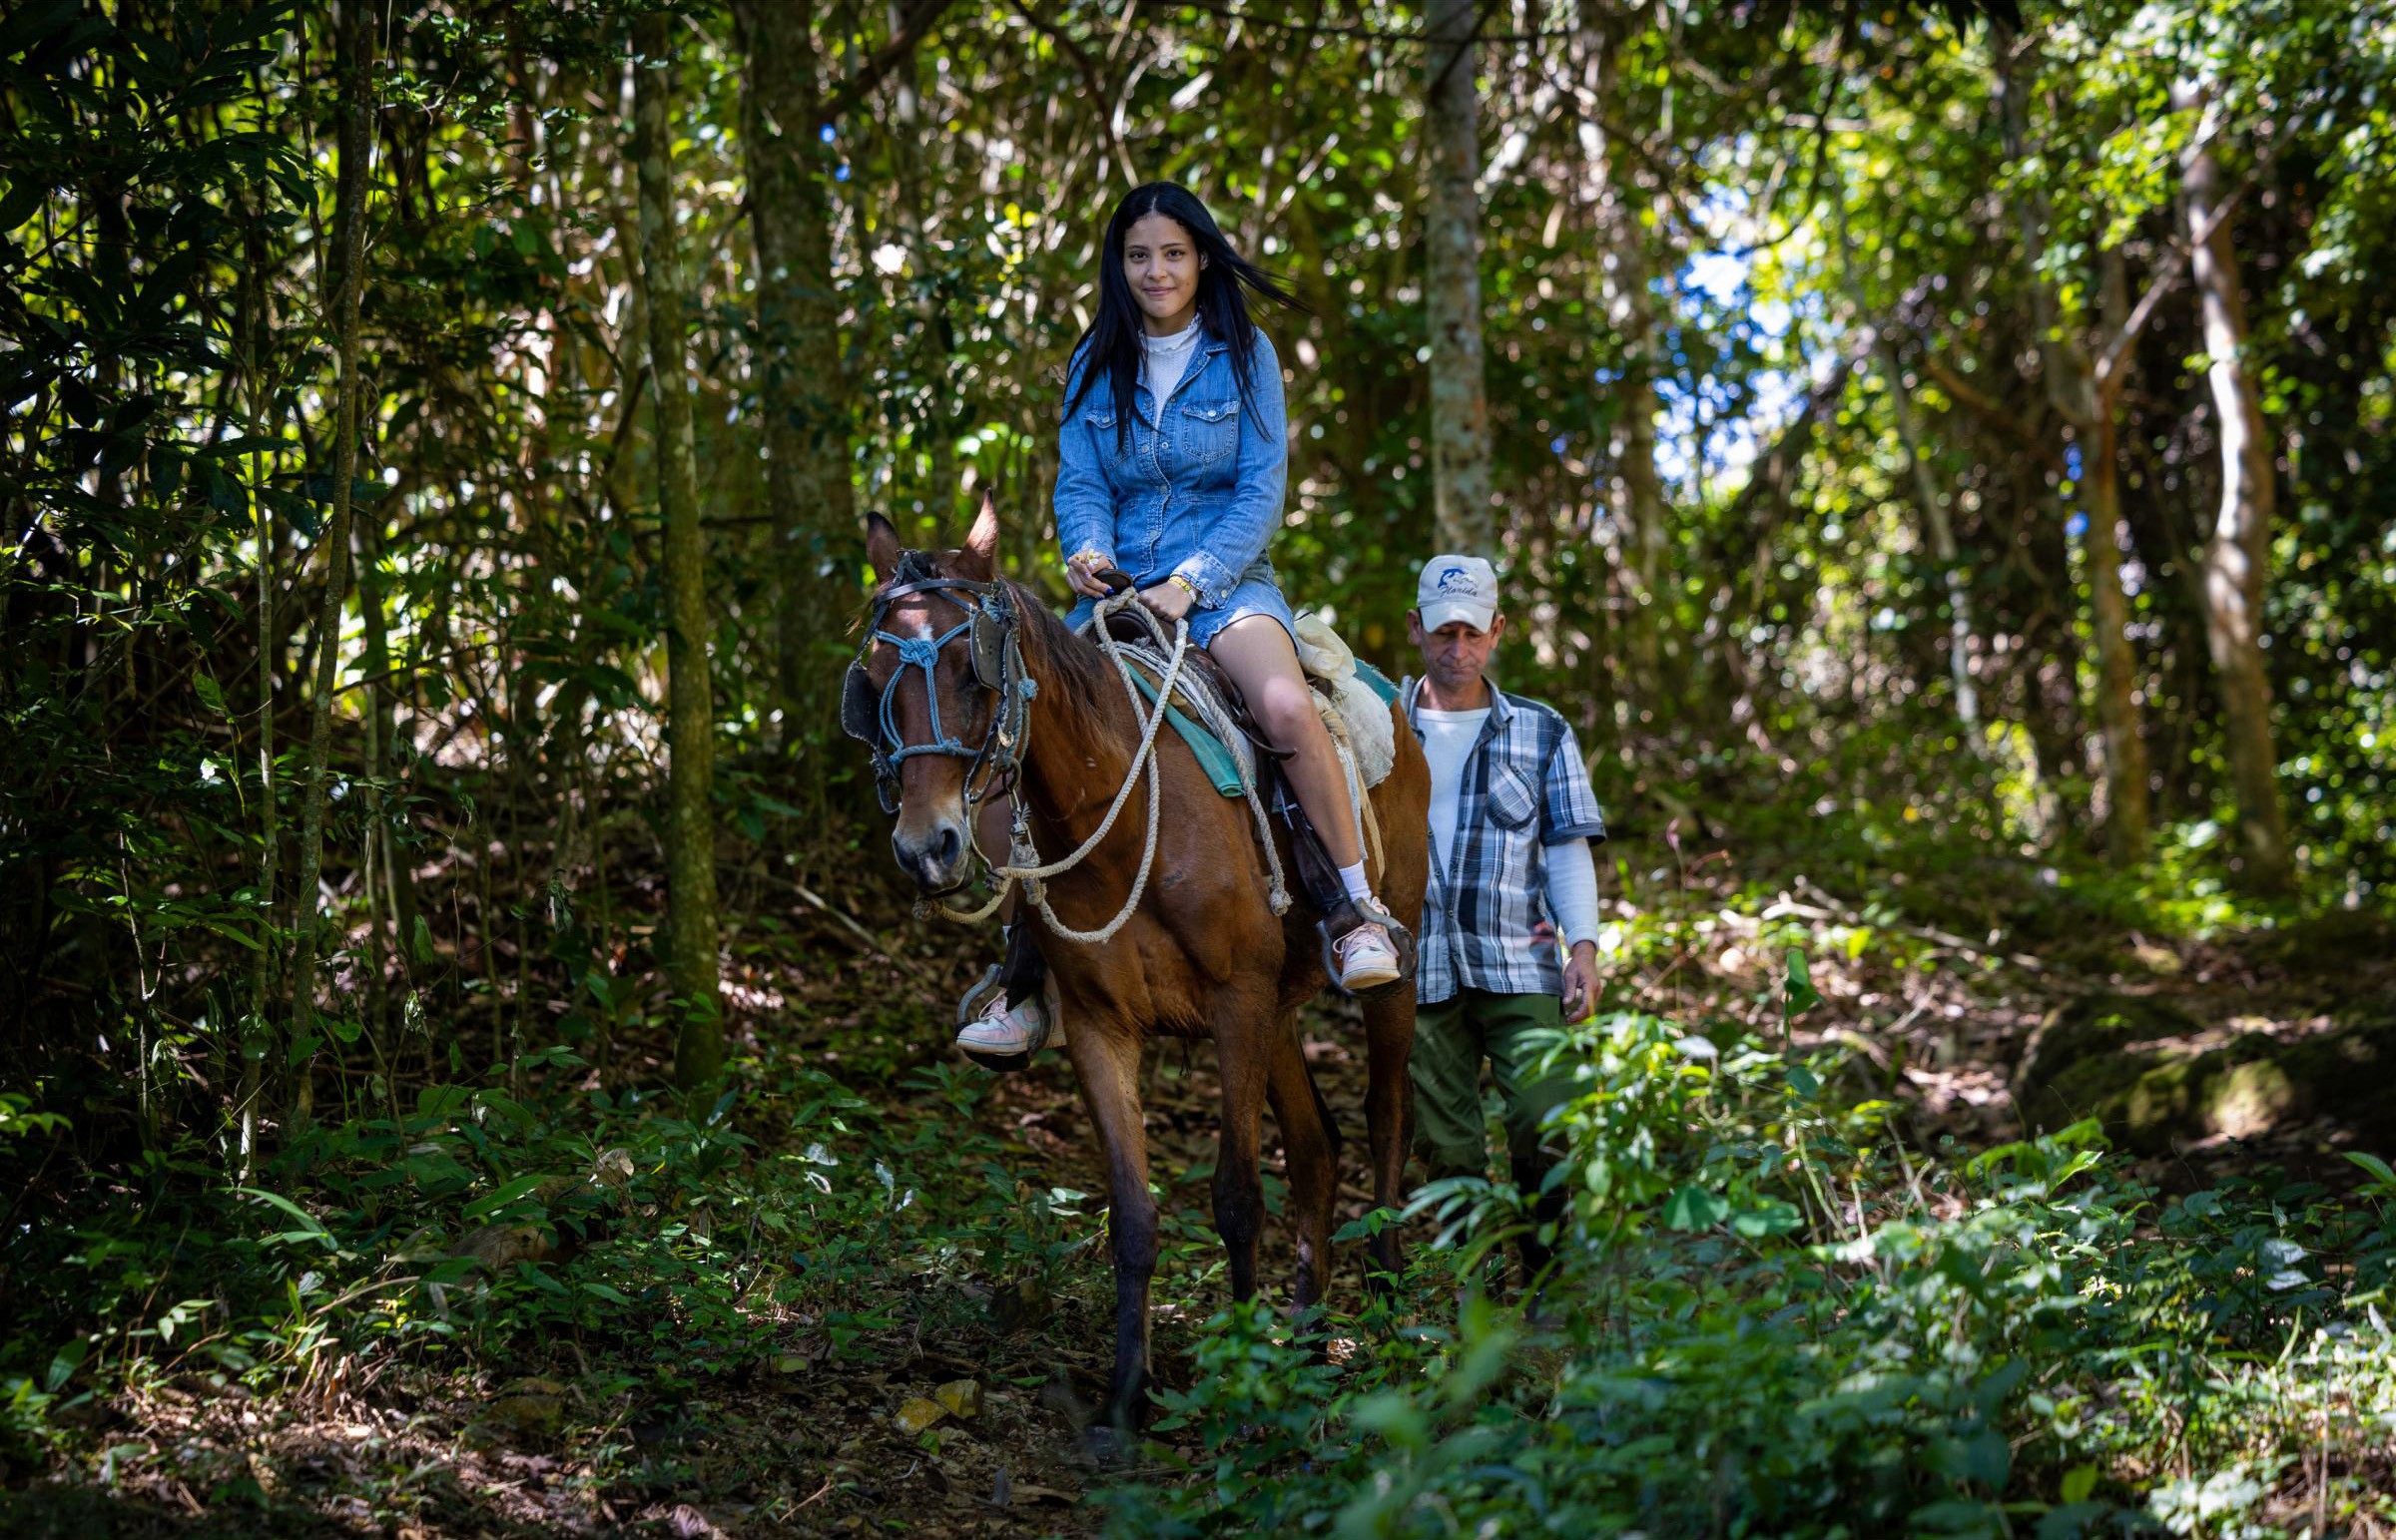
1258 593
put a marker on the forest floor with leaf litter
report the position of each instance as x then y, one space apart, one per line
920 1357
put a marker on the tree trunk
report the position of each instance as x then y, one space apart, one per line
257 1036
1635 496
1932 501
2237 553
689 722
355 46
804 382
381 707
1942 535
2069 379
373 851
939 424
1459 405
2128 810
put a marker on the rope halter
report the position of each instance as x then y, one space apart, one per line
994 644
992 633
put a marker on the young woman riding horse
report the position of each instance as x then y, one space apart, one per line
975 698
1172 464
965 684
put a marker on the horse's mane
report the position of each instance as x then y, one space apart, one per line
1076 679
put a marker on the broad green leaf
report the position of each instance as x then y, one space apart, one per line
308 1223
513 1192
65 1363
1695 1208
1797 988
2379 1169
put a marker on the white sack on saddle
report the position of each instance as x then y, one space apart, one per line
1366 721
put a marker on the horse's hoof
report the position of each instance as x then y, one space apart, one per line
1103 1445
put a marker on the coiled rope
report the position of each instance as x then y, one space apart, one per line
1164 659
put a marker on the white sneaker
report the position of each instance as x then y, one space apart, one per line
1006 1037
1368 959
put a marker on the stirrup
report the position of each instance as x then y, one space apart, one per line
1345 916
974 1008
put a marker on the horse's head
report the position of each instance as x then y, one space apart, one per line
938 692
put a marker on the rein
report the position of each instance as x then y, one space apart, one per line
1023 860
993 631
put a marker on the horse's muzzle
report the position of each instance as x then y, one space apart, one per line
935 857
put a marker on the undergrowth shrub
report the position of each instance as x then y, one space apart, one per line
1769 1316
670 1243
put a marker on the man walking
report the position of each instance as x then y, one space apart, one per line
1511 822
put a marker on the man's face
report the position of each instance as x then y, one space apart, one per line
1456 654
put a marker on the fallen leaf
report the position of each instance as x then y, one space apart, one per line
498 1246
915 1414
1019 1305
961 1396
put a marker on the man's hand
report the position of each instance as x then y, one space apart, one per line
1168 599
1082 569
1581 981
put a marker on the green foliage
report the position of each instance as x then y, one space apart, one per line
1770 1310
481 1226
1770 1315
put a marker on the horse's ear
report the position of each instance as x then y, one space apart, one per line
882 546
981 541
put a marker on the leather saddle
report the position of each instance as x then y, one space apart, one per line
1211 675
1317 877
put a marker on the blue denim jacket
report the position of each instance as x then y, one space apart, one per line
1200 496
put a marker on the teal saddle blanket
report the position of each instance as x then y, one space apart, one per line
1216 756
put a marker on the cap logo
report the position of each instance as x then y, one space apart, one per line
1455 580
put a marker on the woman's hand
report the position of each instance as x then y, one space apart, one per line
1082 569
1170 600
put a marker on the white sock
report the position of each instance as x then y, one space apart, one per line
1353 879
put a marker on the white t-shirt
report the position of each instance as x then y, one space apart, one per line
1448 740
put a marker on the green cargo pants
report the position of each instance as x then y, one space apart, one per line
1451 1040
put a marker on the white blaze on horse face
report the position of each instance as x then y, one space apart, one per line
930 837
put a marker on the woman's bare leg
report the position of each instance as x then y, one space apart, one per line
1258 655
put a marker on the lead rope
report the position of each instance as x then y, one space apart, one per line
1020 865
1212 714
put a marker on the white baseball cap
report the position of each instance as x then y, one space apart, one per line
1457 588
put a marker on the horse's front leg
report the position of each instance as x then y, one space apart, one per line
1311 1143
1106 1057
1243 1054
1389 1117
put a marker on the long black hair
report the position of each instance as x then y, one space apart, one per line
1111 348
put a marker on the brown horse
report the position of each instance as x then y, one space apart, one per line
1203 956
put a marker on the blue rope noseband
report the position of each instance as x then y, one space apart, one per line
919 653
993 645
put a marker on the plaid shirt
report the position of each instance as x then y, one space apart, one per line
1524 790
